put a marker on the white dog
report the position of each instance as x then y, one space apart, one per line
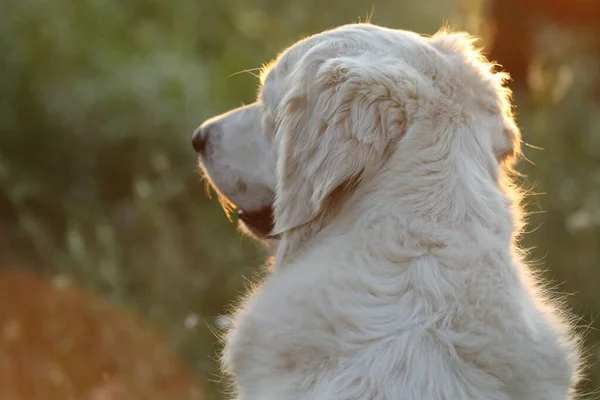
377 164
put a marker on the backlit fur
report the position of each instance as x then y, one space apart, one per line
397 275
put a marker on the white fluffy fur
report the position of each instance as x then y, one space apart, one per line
397 275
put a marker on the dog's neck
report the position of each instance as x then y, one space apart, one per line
291 242
422 202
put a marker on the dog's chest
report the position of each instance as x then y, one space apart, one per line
289 329
296 333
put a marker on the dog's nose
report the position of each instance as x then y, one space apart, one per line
199 139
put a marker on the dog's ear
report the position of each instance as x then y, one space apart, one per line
335 125
495 96
508 147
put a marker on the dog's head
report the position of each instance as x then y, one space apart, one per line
333 109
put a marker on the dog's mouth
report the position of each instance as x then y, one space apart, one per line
259 222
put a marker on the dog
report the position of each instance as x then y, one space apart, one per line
377 164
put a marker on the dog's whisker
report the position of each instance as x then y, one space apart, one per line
246 71
207 189
533 146
227 206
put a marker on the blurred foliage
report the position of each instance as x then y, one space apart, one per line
99 185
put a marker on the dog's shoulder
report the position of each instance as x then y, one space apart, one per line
334 321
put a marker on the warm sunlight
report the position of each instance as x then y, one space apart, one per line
119 274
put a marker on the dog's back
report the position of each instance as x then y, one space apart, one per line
397 273
453 322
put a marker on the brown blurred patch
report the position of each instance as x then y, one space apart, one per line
512 21
60 343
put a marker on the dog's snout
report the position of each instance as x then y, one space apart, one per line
199 139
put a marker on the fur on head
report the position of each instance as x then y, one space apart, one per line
334 108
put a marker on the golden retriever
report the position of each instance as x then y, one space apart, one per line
377 163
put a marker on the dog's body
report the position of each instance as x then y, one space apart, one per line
396 275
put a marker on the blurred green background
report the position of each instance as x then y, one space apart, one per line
99 187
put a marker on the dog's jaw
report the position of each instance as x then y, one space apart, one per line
259 223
